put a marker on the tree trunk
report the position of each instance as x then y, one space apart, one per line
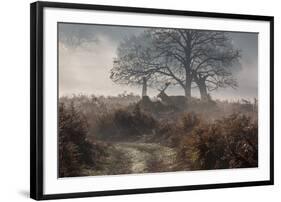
203 92
144 87
187 89
201 83
188 73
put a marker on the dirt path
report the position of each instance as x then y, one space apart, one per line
147 157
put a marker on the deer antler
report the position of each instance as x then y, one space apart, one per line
165 87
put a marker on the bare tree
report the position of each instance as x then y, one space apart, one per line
205 57
179 56
213 68
137 60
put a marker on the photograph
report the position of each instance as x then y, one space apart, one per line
135 100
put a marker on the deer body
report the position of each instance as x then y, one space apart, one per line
178 102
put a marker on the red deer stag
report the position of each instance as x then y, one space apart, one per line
177 102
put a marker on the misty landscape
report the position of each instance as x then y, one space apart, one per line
145 100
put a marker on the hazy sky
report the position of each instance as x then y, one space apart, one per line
86 55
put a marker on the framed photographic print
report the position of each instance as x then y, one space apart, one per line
134 100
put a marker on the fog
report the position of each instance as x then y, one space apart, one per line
86 55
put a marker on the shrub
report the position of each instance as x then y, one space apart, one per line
227 143
189 121
172 132
76 152
124 123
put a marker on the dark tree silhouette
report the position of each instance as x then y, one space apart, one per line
179 56
137 61
213 68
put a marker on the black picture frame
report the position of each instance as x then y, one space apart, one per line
36 98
